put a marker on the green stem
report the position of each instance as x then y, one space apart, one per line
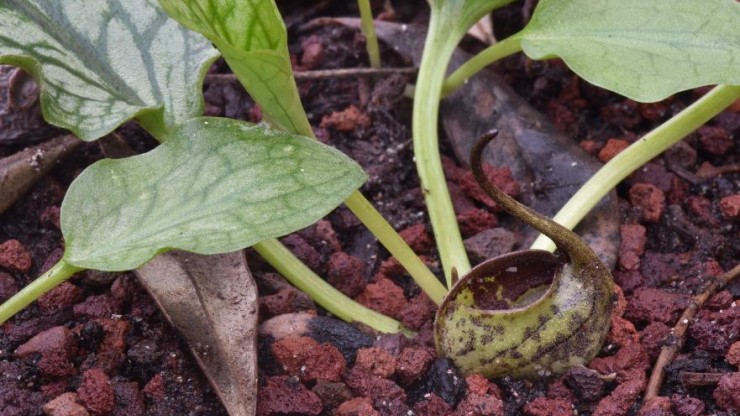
368 29
438 49
393 242
639 153
44 283
323 293
493 53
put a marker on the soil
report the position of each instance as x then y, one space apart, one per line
98 344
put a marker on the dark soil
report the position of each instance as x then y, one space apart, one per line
98 345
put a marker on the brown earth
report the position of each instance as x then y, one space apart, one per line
98 345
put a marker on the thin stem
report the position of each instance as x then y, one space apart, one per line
639 153
44 283
323 293
368 29
678 334
393 242
484 58
440 43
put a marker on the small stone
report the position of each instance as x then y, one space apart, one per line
417 237
290 352
286 395
500 177
324 362
730 206
476 405
490 243
477 384
304 251
649 199
115 331
50 216
130 400
628 280
346 120
619 402
359 406
313 52
432 405
96 392
632 246
657 406
733 354
720 300
631 361
67 404
346 273
56 339
154 388
475 220
62 296
412 363
98 306
726 394
8 286
331 394
417 311
375 361
367 385
621 331
585 383
701 208
286 300
715 140
383 296
612 148
653 337
14 256
687 406
543 406
444 380
655 305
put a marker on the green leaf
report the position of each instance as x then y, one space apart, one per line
463 14
100 63
253 40
645 50
215 186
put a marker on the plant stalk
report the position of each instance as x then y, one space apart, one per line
368 29
371 218
44 283
493 53
323 293
438 48
639 153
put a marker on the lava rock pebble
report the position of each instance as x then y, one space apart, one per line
287 396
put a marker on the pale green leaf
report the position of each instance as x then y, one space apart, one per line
216 185
645 50
463 14
100 63
252 38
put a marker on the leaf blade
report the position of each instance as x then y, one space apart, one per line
99 64
258 49
643 50
216 185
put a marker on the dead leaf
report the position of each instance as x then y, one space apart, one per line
212 301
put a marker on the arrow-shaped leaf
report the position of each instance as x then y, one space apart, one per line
645 50
216 185
252 37
100 63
